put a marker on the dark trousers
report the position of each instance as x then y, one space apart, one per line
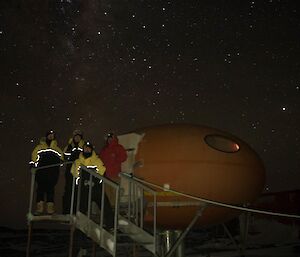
68 193
46 180
96 197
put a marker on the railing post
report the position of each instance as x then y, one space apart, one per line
72 230
90 195
28 249
72 196
142 208
129 198
33 172
136 208
154 222
116 218
102 206
79 194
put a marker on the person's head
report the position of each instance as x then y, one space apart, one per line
50 135
77 136
109 137
87 149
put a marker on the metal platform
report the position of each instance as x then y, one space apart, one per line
62 218
128 221
129 215
92 226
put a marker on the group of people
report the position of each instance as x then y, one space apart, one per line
47 157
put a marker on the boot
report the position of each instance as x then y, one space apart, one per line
50 208
39 208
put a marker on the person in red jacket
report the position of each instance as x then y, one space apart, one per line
112 155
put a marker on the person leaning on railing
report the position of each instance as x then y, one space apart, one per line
44 154
90 160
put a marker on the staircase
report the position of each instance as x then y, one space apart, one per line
128 220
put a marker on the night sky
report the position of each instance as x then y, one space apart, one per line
102 65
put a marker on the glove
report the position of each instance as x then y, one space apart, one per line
31 165
61 163
77 181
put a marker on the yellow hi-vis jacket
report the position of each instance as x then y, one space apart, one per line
93 162
46 155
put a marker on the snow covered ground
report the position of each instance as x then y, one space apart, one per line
55 243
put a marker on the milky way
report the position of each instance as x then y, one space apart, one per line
121 65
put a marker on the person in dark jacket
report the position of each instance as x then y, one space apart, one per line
71 153
44 154
112 155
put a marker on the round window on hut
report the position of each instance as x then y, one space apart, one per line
222 143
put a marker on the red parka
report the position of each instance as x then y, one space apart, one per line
112 155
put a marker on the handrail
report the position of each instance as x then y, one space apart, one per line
216 203
141 184
33 169
136 190
73 216
100 177
105 182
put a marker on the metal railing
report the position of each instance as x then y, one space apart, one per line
204 204
216 203
137 204
91 181
33 182
94 178
30 215
134 209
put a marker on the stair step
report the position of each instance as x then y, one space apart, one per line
127 234
146 243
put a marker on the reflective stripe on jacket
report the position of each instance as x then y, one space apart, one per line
91 162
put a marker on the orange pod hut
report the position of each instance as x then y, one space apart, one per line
195 160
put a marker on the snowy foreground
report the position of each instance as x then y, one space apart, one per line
50 243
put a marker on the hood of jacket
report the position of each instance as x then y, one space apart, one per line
80 144
43 143
114 141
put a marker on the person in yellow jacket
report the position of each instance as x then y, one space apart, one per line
89 159
46 153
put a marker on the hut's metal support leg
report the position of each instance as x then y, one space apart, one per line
94 249
72 230
184 233
29 239
135 250
244 227
231 237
